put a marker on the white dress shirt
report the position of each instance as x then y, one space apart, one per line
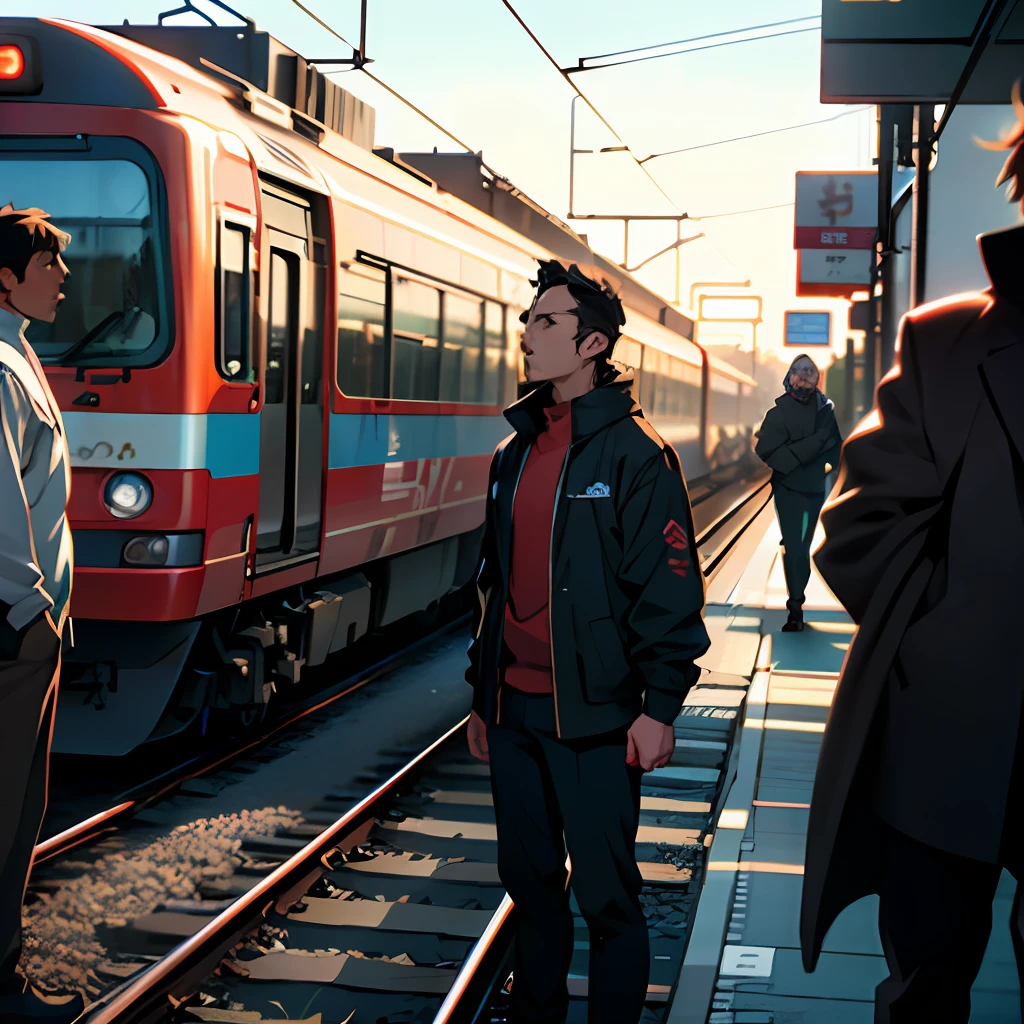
35 481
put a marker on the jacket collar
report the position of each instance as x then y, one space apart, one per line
591 412
1001 252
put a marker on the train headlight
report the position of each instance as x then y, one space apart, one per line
127 495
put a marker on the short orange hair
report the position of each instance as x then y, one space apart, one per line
1013 169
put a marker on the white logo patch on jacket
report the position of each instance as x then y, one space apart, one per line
595 490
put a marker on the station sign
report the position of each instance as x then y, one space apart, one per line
914 51
730 308
828 272
836 210
805 328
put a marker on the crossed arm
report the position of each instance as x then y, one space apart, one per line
776 450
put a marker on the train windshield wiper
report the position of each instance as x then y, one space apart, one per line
128 317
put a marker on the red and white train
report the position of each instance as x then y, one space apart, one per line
281 363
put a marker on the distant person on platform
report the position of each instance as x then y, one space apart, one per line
35 579
799 440
919 792
590 622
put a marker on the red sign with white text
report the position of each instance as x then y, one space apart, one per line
836 210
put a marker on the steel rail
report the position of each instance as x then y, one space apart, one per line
147 995
210 761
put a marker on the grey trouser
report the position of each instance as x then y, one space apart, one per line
28 697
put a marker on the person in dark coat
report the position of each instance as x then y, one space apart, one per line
798 439
590 623
918 791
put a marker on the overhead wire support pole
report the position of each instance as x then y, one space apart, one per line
981 40
926 134
526 28
362 67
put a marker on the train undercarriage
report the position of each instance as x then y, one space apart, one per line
124 684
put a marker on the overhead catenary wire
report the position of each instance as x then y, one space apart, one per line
757 135
394 92
700 39
740 213
692 49
526 28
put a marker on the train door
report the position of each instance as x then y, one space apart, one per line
291 427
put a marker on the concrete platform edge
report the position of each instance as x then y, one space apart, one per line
695 986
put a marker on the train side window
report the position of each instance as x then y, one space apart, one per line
494 353
462 356
362 352
416 355
234 304
278 374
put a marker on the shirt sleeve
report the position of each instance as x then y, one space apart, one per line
20 577
661 571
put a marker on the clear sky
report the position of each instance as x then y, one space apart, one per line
470 66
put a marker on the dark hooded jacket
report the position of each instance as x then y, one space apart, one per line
798 437
626 591
923 547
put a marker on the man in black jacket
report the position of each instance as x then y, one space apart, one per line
589 626
798 437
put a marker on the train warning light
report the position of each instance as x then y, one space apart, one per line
12 62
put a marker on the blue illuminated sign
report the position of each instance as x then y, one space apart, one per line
804 329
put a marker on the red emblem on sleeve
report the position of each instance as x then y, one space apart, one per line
675 535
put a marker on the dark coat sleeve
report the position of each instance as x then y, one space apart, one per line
779 453
487 578
834 442
888 488
661 572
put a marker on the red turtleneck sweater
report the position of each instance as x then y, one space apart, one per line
527 626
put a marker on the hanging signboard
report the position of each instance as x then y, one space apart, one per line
804 328
836 210
832 273
730 308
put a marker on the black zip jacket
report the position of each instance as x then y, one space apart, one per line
626 590
796 439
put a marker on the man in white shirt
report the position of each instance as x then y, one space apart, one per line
35 579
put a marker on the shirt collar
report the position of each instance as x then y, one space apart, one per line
11 326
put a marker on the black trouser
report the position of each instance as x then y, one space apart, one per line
798 516
543 787
28 695
934 918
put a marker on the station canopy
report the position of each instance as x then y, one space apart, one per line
914 51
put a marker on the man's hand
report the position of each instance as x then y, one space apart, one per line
477 737
649 743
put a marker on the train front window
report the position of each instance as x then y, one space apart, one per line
114 310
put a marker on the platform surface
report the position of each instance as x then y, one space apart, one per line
757 968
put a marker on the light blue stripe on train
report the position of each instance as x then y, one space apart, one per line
228 444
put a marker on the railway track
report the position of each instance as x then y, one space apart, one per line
147 792
393 910
388 907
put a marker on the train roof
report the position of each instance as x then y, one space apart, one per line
153 67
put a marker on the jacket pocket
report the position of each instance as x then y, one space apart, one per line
605 666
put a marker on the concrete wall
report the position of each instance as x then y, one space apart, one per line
964 200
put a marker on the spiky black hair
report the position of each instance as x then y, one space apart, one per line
598 308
